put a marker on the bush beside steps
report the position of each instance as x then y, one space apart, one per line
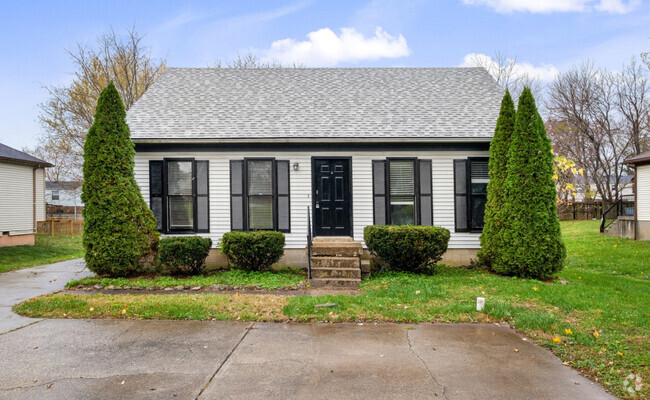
407 248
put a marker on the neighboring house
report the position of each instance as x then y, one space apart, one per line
641 164
227 149
22 196
625 189
63 199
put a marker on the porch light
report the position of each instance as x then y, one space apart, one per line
295 166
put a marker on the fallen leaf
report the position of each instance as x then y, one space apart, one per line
619 353
568 331
557 339
124 311
382 355
92 308
48 386
535 288
596 334
516 350
417 292
122 383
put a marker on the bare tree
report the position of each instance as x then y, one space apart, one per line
505 72
634 104
588 126
68 114
251 61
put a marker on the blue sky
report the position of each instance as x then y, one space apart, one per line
546 36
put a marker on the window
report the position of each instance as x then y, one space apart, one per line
259 194
402 192
55 195
178 190
471 177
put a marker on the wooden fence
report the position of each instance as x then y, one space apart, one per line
54 227
590 210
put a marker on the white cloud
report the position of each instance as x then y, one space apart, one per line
543 72
617 6
325 48
549 6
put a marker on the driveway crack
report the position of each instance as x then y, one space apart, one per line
444 388
225 360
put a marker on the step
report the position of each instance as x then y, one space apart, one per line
338 249
335 283
336 239
336 273
334 262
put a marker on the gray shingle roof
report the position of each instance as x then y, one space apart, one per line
335 103
12 155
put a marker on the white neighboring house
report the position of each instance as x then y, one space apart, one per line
641 223
63 198
227 149
22 196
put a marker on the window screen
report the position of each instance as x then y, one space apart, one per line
402 192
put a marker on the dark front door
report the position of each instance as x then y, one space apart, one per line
332 196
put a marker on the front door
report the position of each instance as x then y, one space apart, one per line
332 196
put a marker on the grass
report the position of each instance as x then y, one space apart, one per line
598 321
46 250
265 280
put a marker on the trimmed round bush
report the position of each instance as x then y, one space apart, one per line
253 251
406 247
184 255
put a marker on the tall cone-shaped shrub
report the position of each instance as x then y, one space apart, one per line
492 237
120 236
532 246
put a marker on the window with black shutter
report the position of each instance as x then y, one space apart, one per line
179 195
259 194
402 192
471 177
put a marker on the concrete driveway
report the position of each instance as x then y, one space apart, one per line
18 286
121 359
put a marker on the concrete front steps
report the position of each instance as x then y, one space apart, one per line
335 263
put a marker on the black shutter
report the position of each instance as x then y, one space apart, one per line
282 192
379 191
460 195
202 197
425 203
156 191
237 195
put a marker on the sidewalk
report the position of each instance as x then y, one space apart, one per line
17 286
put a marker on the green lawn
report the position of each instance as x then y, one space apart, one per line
48 249
264 280
598 321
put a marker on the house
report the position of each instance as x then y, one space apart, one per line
63 199
22 196
343 148
641 221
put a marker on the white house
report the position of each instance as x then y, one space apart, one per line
63 199
227 149
641 164
22 196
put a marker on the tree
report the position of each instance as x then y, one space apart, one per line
507 73
587 126
492 236
633 101
67 115
532 245
120 236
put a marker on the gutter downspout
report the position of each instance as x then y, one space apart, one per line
34 199
636 211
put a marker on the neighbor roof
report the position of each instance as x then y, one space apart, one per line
16 156
62 185
212 104
638 158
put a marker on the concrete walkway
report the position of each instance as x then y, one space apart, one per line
119 359
17 286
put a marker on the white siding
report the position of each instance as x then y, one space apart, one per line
300 181
40 195
16 199
643 192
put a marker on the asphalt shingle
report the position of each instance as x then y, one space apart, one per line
288 103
